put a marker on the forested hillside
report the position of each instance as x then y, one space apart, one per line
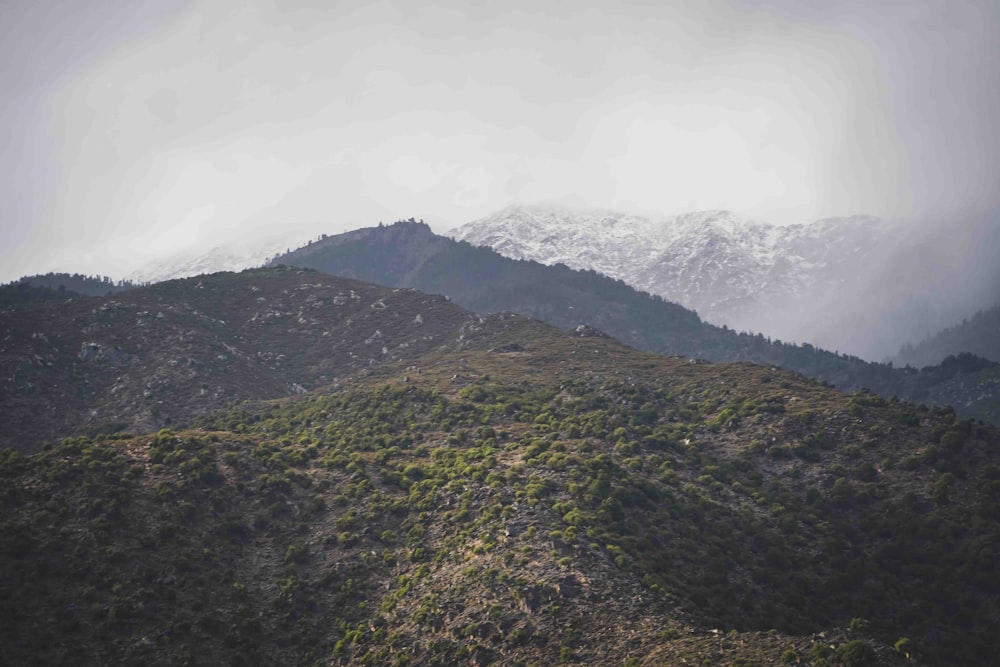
979 335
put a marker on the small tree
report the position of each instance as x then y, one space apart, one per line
855 653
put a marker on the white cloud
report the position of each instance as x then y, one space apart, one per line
413 174
337 116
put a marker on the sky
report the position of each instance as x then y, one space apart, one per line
134 130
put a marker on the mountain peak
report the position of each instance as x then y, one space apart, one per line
735 270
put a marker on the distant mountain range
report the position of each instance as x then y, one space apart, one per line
859 285
408 254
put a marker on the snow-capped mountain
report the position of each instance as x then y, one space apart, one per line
744 273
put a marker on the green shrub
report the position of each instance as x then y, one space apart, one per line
855 653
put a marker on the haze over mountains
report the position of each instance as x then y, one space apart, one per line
234 254
979 334
859 285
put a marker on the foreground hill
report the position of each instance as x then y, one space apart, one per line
525 496
154 356
408 254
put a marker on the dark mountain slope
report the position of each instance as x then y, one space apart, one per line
529 496
22 294
77 283
158 355
979 335
408 254
58 287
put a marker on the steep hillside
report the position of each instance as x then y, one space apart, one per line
533 497
408 254
979 334
151 357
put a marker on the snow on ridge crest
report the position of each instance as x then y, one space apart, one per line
732 269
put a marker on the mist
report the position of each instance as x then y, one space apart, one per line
935 272
136 130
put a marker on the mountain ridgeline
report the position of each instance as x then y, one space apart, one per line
78 283
59 286
979 335
409 254
363 475
859 284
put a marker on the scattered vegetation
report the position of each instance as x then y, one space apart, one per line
571 501
485 491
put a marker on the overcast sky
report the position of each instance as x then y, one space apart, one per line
134 129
